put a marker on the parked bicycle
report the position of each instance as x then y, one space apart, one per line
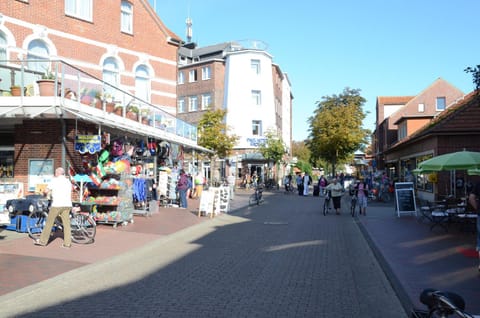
441 304
326 202
83 226
256 197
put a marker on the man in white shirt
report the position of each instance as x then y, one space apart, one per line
60 189
231 185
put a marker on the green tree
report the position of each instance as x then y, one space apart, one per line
301 151
272 149
335 129
212 134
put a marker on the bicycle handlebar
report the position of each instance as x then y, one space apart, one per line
445 303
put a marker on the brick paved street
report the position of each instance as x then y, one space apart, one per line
280 259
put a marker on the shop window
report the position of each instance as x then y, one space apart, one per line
6 164
423 181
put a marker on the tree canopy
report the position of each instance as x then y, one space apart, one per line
273 148
335 129
212 133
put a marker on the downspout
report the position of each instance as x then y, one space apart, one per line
64 143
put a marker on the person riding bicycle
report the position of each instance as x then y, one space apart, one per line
60 189
322 184
361 191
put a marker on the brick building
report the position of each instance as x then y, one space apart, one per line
241 78
112 61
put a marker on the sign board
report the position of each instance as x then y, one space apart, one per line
88 143
206 202
405 198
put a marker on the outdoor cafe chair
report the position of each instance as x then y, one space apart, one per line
439 218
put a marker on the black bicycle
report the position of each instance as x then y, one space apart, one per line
441 304
353 204
326 203
256 197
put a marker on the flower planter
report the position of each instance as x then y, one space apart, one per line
118 111
47 87
16 91
132 116
109 107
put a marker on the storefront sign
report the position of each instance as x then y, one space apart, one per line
88 143
256 142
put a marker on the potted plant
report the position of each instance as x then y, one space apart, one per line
16 90
118 109
46 85
132 112
145 113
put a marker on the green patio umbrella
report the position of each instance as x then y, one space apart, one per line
460 160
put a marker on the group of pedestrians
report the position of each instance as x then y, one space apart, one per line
334 189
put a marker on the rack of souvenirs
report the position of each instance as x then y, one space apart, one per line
110 193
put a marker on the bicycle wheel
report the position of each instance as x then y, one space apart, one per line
352 207
325 206
252 200
84 228
35 223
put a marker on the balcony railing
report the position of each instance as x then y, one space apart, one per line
76 85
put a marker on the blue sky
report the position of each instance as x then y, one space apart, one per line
382 47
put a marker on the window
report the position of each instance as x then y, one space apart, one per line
402 130
256 127
142 83
181 78
110 74
255 65
206 73
181 105
126 17
441 103
192 76
206 101
3 46
193 103
38 50
421 108
81 9
256 97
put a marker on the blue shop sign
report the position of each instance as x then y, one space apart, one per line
88 143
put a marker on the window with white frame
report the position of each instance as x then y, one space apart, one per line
421 107
256 97
192 103
81 9
181 77
206 101
181 105
38 50
126 17
255 65
142 82
192 76
206 73
3 46
110 74
256 127
441 104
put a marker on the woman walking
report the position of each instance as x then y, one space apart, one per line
336 191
